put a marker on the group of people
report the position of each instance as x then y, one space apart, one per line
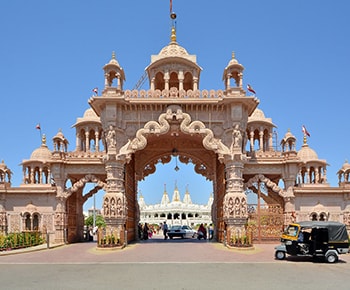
146 231
202 232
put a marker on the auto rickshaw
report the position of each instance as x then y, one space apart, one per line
317 239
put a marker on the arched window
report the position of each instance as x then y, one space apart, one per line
323 216
27 222
174 80
35 222
314 216
159 83
188 81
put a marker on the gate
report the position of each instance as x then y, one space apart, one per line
265 222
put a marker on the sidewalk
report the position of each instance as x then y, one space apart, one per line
30 249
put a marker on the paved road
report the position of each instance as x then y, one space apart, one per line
171 264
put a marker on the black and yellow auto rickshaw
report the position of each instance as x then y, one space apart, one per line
317 239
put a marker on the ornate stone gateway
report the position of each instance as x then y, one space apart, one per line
207 128
125 133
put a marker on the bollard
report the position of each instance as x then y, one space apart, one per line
225 243
48 240
125 238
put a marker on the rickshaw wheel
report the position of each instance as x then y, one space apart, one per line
331 258
280 255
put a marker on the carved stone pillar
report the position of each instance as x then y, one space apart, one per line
235 201
61 221
114 203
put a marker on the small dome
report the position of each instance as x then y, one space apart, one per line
307 154
345 167
59 135
41 153
89 117
3 165
258 114
289 135
90 114
233 62
113 60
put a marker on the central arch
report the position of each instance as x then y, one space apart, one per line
175 134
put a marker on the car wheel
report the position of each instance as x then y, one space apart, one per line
280 255
331 258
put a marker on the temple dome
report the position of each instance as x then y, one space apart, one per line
173 49
89 117
307 154
41 153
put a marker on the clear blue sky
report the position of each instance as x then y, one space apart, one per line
295 54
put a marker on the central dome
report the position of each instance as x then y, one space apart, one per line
173 49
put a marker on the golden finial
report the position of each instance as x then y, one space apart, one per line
113 54
173 34
43 140
233 54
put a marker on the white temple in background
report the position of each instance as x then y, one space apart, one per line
175 211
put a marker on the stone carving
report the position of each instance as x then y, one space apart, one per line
81 183
268 183
162 127
111 138
113 207
236 138
235 207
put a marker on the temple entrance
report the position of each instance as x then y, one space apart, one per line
160 150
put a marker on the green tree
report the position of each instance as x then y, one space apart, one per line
100 222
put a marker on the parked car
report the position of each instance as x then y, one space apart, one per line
181 232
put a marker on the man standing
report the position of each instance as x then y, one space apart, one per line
165 230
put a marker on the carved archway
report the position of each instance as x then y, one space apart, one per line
173 134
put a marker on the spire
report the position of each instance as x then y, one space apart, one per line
173 34
165 198
187 197
176 194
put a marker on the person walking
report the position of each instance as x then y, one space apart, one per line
165 230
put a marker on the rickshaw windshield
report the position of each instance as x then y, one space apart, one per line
291 231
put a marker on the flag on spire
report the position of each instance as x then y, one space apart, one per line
250 89
95 90
38 127
305 132
171 6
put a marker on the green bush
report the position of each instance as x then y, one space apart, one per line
20 240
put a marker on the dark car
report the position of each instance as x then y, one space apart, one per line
181 232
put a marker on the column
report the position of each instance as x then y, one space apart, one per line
251 140
97 144
114 203
87 143
228 82
235 202
261 141
195 83
181 80
152 83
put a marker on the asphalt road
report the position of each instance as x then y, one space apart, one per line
170 264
